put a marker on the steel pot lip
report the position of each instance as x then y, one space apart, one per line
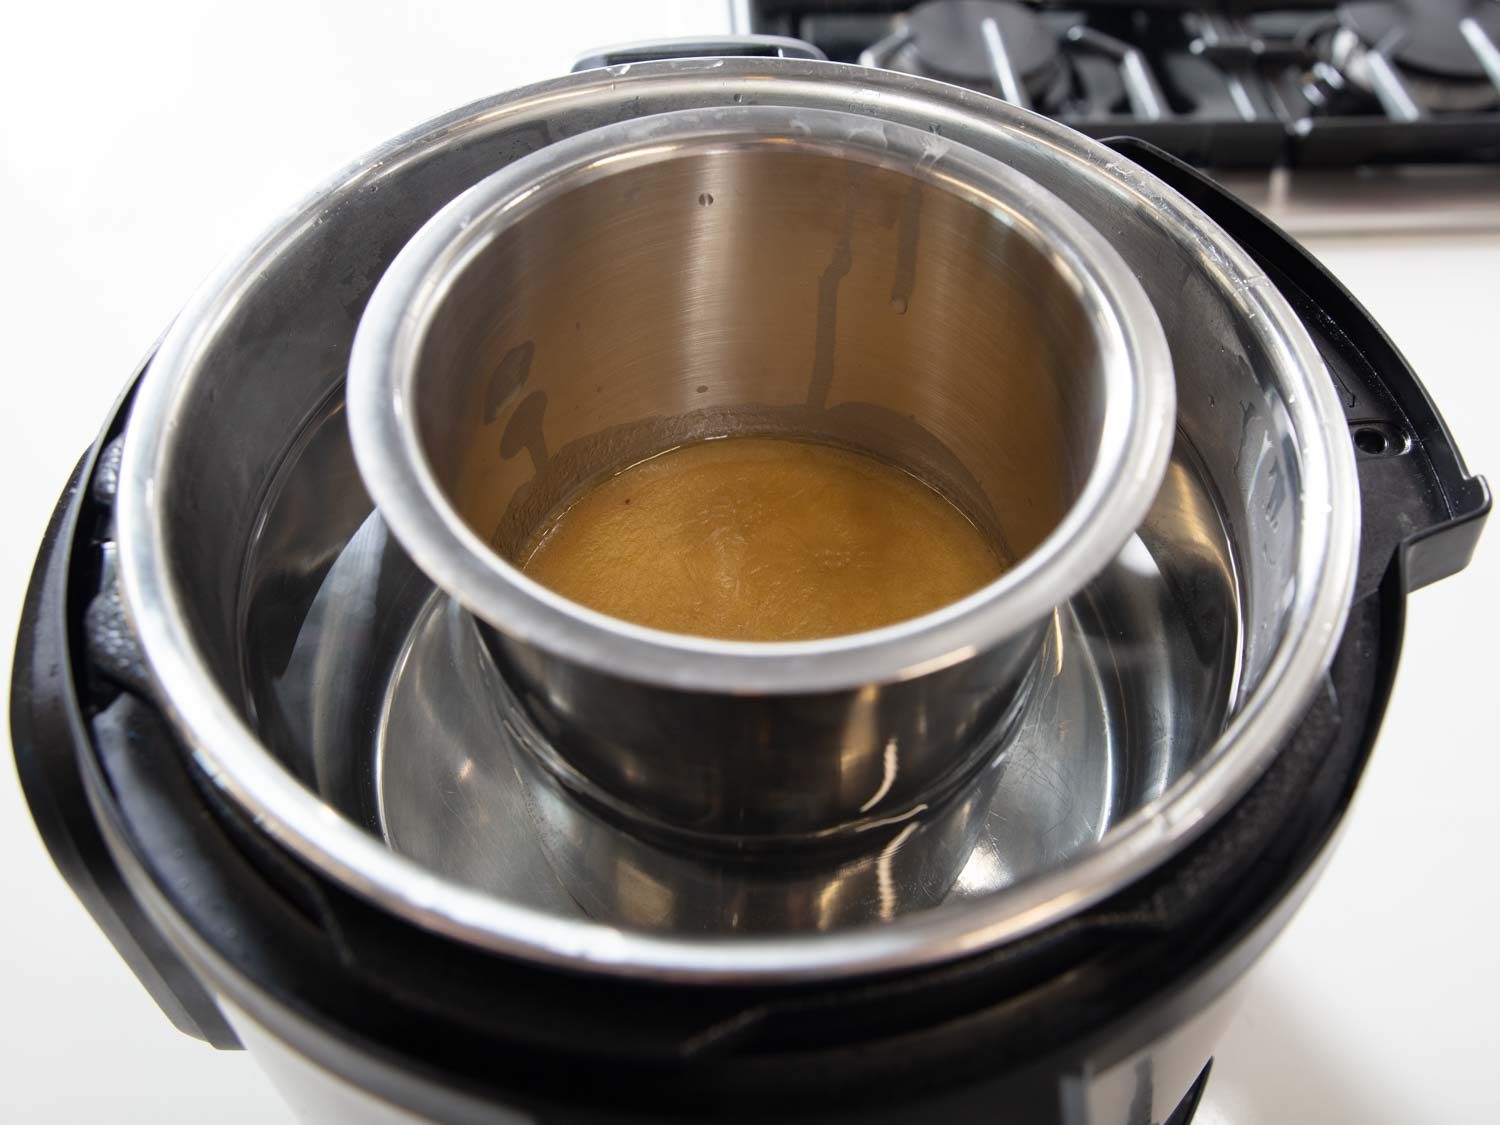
230 756
1134 441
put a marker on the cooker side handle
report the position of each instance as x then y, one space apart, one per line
50 742
1422 510
699 47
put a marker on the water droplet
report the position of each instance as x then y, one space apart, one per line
705 200
898 305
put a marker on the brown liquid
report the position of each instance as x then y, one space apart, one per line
762 539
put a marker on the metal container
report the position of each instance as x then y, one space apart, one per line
280 624
755 270
286 778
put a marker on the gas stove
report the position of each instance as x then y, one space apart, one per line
1252 84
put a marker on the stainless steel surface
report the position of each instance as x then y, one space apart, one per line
263 347
765 271
477 804
315 1093
1133 683
1135 678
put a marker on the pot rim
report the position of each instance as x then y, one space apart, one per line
230 756
1134 436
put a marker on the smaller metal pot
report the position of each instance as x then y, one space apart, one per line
763 270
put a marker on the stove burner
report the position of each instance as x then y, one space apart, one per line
1253 83
992 44
948 36
1411 57
1423 35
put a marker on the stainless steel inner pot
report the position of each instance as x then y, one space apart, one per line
241 515
801 273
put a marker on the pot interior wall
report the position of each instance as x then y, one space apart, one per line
749 287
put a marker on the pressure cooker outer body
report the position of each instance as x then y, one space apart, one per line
1112 1018
357 1016
1123 1079
1109 1015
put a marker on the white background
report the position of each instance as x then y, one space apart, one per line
142 142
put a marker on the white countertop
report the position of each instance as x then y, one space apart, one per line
143 142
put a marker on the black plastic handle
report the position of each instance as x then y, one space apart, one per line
1421 509
53 751
696 47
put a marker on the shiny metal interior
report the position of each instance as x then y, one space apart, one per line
750 270
387 701
239 503
780 284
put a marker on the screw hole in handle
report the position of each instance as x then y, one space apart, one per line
1378 439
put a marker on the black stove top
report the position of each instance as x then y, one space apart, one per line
1238 84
